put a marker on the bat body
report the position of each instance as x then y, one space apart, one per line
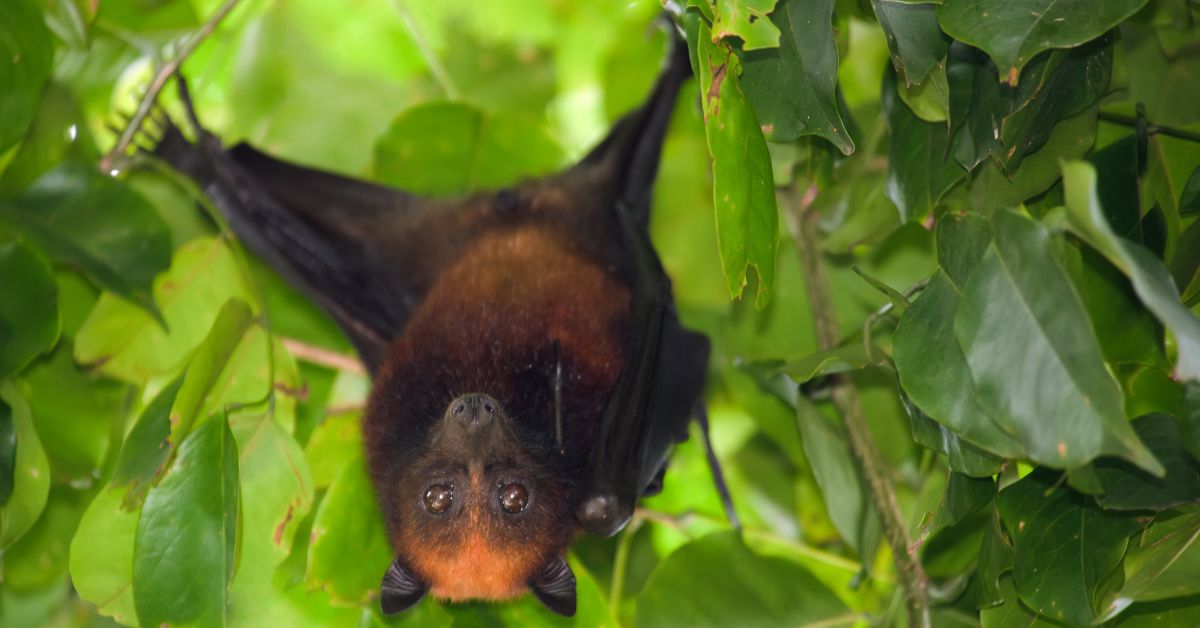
530 374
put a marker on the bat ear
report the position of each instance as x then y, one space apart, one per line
401 588
554 585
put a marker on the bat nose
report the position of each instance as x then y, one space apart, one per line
474 410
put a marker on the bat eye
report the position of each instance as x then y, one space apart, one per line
513 498
438 498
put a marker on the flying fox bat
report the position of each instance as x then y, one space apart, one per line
530 374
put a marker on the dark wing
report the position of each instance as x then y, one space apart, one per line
665 365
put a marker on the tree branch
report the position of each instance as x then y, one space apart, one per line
322 357
160 81
1152 129
804 228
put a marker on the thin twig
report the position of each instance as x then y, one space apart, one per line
805 232
159 81
1152 129
322 357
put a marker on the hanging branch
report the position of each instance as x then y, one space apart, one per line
164 74
1151 129
804 228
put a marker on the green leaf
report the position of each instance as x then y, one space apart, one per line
38 560
791 89
1015 31
1185 265
184 547
443 148
931 365
147 446
851 357
1189 199
1011 613
31 470
102 556
1178 613
930 100
961 456
124 342
8 452
1164 80
1019 308
1067 551
349 549
27 51
739 588
59 132
995 559
335 443
920 168
200 394
914 38
1189 419
842 486
963 497
745 19
29 322
97 224
743 191
1129 488
1166 562
1150 278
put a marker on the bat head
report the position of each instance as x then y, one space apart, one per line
480 515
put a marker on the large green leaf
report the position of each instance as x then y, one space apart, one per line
1129 488
349 549
963 497
1015 31
126 343
792 89
29 322
183 554
30 470
452 148
932 368
38 560
1166 562
97 224
961 456
743 190
1150 278
914 38
920 167
738 588
27 51
102 556
1019 310
1067 551
146 446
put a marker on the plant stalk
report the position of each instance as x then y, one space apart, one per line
913 581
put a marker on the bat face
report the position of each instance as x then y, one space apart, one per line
468 506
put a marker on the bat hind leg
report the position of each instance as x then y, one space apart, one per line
715 466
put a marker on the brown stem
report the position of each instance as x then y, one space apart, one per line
805 231
160 81
1152 129
322 357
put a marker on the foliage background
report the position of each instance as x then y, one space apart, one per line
1012 252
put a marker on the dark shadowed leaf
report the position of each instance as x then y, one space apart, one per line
1015 31
961 456
849 357
746 20
184 546
1189 200
1177 613
914 38
1150 278
98 225
29 323
920 167
1166 562
792 89
1018 308
1128 488
739 588
963 497
146 446
1165 80
26 49
452 148
31 470
1189 419
995 559
743 188
1011 612
8 452
1067 551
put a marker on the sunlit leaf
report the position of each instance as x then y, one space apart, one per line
349 550
1014 31
102 556
743 192
740 588
184 546
746 19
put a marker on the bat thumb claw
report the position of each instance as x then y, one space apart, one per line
602 514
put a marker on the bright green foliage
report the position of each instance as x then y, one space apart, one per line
1012 253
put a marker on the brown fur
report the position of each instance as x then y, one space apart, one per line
489 325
